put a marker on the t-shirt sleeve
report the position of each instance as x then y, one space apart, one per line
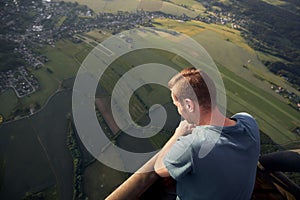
178 160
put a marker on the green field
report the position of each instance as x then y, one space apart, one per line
2 171
51 126
275 118
101 180
48 194
9 102
24 160
34 151
65 58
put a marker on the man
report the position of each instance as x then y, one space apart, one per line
227 169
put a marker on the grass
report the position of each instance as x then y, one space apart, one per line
47 194
2 171
101 180
34 151
64 58
51 193
9 102
25 161
50 126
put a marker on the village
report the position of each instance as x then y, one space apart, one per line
57 20
292 97
19 80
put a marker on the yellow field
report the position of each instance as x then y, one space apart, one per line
113 6
96 35
196 6
275 2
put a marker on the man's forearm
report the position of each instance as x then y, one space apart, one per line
159 166
184 128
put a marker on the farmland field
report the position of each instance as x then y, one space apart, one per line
108 6
197 7
101 180
8 103
276 2
35 153
53 134
65 58
229 49
26 166
113 6
275 118
244 91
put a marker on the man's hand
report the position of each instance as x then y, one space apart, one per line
184 128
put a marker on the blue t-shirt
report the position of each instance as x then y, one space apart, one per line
214 163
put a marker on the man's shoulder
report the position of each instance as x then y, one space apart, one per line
249 123
244 115
245 118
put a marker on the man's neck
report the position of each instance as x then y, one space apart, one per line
215 118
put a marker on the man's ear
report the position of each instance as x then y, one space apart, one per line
189 105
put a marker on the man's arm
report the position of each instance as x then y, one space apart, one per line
184 128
